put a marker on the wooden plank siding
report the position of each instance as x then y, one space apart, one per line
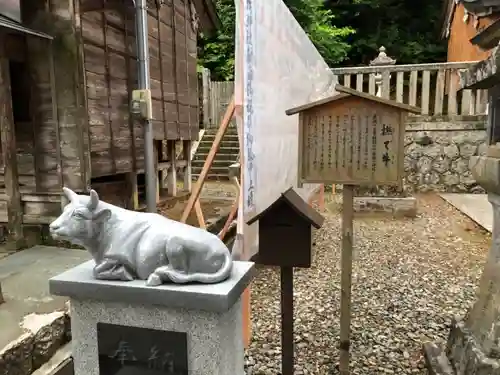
110 67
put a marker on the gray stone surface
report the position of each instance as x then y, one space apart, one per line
128 245
475 206
25 284
79 283
215 344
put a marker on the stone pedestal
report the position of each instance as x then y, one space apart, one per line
473 343
127 327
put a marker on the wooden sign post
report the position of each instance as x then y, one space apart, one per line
354 139
285 240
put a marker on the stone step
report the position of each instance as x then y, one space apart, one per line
219 156
225 143
214 169
227 137
204 149
216 163
213 177
230 130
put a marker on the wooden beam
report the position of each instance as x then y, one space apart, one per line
188 177
172 171
157 149
132 190
209 161
9 153
346 278
234 209
199 215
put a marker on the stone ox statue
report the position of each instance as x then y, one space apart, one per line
128 245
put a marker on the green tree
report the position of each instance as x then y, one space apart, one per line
409 29
217 52
346 32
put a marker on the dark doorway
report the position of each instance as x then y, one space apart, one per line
20 91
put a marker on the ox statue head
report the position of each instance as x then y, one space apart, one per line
81 219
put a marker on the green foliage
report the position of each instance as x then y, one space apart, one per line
318 22
346 32
408 29
217 52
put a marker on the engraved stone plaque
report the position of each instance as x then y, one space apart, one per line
125 350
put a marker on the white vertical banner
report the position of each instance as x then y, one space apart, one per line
277 68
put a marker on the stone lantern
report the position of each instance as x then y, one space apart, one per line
473 345
382 60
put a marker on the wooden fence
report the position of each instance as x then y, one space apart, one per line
432 87
216 98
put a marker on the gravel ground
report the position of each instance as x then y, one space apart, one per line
409 278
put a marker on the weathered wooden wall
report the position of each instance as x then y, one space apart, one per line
24 92
459 46
111 75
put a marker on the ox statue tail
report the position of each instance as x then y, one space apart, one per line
206 278
183 253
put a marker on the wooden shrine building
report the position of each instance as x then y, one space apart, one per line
67 71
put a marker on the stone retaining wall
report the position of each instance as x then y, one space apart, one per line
437 154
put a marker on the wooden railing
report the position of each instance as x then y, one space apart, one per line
432 87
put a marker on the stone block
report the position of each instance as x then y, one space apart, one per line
43 335
406 207
49 334
210 315
461 355
15 358
436 360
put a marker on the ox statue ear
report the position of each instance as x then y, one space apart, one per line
94 200
102 215
70 194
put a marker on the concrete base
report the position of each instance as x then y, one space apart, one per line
461 355
406 207
210 315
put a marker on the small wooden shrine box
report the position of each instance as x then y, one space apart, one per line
351 138
285 231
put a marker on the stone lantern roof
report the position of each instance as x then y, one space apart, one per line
382 58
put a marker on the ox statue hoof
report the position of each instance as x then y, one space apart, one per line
153 280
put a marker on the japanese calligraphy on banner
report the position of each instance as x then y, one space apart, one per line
353 142
277 67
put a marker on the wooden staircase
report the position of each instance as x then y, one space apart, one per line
227 154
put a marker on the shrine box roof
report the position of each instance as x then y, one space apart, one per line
294 201
285 233
345 93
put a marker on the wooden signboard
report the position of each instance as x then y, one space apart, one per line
352 138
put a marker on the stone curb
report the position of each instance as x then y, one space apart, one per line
406 207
